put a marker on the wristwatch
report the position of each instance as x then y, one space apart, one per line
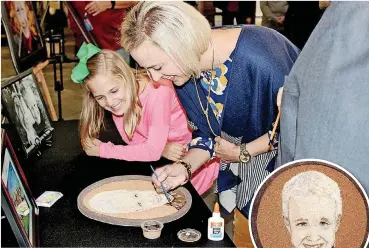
244 154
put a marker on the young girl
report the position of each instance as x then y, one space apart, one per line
148 116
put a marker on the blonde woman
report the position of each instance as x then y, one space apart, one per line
227 80
147 115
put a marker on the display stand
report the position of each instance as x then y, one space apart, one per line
37 70
57 58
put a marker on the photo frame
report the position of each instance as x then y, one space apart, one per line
26 111
17 201
26 43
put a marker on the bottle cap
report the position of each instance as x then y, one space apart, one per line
189 235
216 207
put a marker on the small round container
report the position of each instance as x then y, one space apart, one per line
152 229
189 235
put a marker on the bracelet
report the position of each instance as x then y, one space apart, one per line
187 167
112 4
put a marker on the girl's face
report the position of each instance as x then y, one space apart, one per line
20 10
109 94
158 64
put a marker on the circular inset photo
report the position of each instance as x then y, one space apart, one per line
310 203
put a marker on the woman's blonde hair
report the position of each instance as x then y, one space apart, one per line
92 116
177 28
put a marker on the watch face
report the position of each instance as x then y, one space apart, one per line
244 158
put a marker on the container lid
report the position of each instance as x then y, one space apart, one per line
189 235
151 225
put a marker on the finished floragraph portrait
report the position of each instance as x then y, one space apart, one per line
23 33
312 209
310 203
17 201
23 23
26 110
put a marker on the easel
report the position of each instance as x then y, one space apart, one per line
37 70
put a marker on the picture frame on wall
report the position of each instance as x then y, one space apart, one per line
17 202
26 111
26 44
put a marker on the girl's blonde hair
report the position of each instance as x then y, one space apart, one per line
177 28
92 116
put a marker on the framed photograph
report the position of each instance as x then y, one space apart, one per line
17 201
25 40
25 109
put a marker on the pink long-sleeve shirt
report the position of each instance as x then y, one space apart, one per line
163 120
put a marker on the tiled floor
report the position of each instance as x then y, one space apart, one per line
71 99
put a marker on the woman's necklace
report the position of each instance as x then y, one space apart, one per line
206 110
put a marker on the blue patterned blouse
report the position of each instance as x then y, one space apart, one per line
217 99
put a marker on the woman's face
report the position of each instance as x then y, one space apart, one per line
109 94
158 64
20 10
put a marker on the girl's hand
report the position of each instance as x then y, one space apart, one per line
92 147
174 151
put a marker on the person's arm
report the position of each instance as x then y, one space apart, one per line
151 150
96 7
159 120
196 157
173 175
230 152
267 12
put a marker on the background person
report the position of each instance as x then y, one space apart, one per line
105 19
324 112
273 14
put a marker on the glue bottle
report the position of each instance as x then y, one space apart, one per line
216 225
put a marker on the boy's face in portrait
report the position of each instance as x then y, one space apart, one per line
312 221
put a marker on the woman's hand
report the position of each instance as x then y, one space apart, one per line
279 98
226 151
92 147
174 151
171 175
95 8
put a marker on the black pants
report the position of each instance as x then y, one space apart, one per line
228 18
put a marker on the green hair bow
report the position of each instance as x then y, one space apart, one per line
80 72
